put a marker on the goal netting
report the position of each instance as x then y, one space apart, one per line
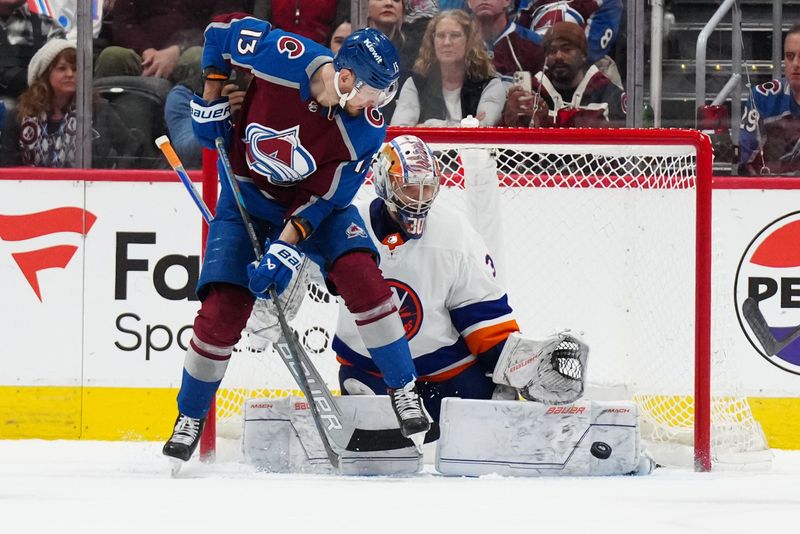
604 232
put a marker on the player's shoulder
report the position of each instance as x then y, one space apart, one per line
292 56
448 229
365 131
772 97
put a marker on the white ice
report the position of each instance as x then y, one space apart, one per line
124 487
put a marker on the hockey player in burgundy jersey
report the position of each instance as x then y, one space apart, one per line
307 131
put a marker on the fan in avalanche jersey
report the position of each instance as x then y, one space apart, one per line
600 18
456 316
769 136
306 134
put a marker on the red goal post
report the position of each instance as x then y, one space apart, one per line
573 179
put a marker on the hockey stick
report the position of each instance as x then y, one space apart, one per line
345 436
165 146
761 330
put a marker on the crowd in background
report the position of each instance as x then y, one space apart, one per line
520 63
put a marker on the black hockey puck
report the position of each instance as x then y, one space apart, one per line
600 450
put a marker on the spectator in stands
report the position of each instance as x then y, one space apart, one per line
177 108
452 77
44 133
600 19
22 33
339 34
511 47
769 136
150 36
310 18
569 95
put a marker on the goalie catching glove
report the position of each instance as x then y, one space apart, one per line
551 371
263 327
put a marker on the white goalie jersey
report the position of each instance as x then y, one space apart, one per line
452 307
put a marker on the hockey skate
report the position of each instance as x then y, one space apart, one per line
411 414
184 439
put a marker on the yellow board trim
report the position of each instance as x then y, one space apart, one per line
50 412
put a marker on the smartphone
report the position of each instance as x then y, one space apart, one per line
522 78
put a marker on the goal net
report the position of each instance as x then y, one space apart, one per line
603 232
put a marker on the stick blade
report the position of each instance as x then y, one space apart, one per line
759 326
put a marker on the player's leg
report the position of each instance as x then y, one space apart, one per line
223 314
353 272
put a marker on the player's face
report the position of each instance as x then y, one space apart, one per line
339 35
564 61
450 42
62 78
385 13
488 9
791 61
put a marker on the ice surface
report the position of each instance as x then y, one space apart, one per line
124 487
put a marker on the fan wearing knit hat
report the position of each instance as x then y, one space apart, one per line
568 93
44 132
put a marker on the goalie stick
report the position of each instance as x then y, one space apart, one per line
344 435
761 329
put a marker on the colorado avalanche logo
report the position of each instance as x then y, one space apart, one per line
768 277
374 117
409 306
355 230
278 155
291 47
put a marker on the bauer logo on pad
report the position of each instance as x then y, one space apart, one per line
767 292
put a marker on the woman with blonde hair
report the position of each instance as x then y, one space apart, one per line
45 130
453 77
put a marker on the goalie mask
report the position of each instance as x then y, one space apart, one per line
406 176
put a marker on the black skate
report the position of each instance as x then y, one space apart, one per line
184 439
411 414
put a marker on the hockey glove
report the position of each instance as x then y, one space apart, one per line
281 262
211 120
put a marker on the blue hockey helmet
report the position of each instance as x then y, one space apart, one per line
372 58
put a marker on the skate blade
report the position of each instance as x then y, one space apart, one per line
419 440
175 466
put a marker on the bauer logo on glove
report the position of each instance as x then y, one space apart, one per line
276 269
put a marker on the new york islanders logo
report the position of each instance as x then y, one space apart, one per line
409 305
21 228
767 292
278 155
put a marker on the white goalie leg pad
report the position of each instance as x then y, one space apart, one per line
532 439
280 436
552 371
263 328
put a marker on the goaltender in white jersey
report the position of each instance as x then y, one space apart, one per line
455 314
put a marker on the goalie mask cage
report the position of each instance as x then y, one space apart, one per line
605 232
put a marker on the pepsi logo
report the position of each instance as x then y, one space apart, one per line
769 273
